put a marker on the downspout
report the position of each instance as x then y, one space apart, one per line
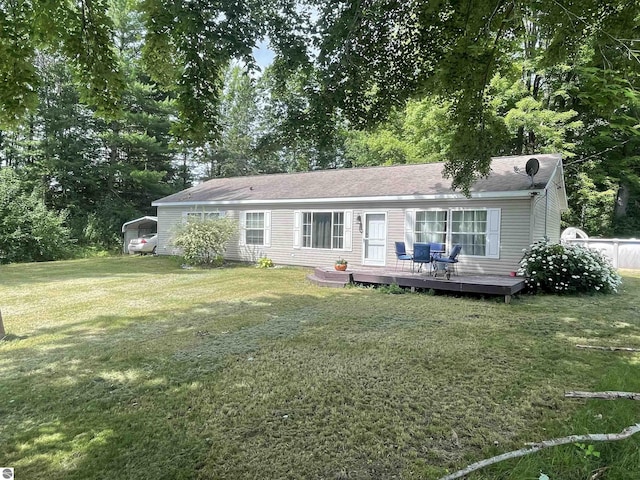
546 210
532 218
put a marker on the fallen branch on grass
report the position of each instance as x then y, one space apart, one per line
598 473
535 447
604 395
609 349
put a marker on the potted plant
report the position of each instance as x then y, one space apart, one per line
341 264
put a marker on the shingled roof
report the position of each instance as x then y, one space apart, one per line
415 180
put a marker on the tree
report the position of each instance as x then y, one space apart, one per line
609 104
419 133
29 232
291 136
592 202
357 60
137 146
232 154
380 147
374 55
82 31
188 47
103 172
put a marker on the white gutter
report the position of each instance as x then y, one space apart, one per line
390 198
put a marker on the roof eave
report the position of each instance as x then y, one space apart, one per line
387 198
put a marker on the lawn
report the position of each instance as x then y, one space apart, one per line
133 368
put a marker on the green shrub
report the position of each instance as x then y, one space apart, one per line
29 231
203 242
393 289
264 262
558 268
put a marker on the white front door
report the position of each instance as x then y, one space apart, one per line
375 238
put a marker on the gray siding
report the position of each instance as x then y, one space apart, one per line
539 217
515 233
168 219
547 213
553 211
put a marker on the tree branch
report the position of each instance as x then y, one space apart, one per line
598 473
497 39
632 54
534 447
610 395
609 349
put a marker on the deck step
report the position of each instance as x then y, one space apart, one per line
331 274
322 282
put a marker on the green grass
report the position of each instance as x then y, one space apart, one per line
133 368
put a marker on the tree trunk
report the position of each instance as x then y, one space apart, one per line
535 92
622 201
520 148
2 334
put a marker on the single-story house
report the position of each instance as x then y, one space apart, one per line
314 218
137 228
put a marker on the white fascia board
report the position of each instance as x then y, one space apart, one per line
390 198
559 169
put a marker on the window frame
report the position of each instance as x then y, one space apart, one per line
443 235
266 228
340 229
474 233
203 214
491 233
250 230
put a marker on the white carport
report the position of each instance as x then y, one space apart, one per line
138 227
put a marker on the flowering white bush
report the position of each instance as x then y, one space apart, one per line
203 241
558 268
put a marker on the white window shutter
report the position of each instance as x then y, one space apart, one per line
409 228
243 229
348 230
297 229
493 233
267 229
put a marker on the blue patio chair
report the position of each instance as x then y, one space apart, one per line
446 264
401 254
437 249
421 255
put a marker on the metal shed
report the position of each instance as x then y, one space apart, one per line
138 227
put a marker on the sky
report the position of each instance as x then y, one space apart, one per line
263 55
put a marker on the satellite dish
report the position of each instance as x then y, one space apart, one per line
532 167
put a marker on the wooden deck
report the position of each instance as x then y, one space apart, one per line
477 284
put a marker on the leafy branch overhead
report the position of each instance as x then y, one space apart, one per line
82 31
360 59
375 55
